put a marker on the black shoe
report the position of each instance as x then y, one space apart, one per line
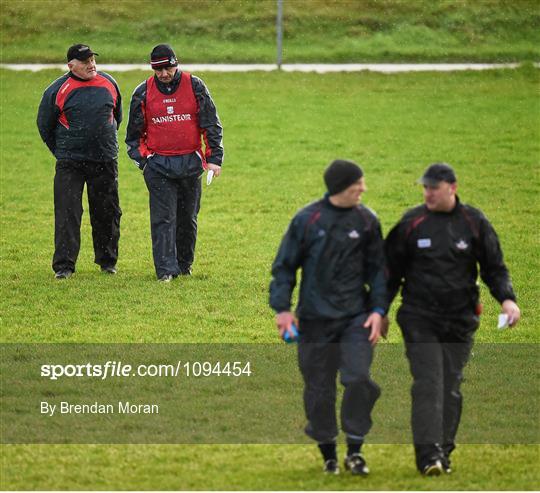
447 449
331 467
63 274
356 464
185 272
445 463
433 468
166 278
109 269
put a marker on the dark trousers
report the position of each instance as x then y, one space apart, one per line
438 349
101 180
174 205
325 348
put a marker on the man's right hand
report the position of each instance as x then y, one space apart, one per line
512 311
284 320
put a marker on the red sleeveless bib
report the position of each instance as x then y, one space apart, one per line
172 123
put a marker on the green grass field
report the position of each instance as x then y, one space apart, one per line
281 130
206 31
277 147
255 467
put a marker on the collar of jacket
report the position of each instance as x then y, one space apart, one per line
73 76
329 204
443 213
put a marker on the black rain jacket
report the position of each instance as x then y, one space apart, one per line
434 256
340 252
84 126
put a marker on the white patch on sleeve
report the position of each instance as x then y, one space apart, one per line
424 242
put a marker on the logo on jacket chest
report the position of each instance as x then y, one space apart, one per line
462 245
352 234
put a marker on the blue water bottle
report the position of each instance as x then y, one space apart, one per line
287 337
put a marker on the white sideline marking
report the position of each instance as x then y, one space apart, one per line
321 68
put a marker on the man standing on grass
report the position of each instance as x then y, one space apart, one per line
433 253
338 245
78 119
170 114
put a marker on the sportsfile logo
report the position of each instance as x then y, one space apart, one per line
108 369
111 369
171 118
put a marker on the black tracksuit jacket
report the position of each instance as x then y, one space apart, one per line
84 126
341 255
434 256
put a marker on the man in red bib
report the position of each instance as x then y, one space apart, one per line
170 116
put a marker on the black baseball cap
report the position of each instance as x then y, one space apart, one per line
436 173
163 56
79 52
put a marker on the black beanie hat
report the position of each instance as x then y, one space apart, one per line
163 56
340 175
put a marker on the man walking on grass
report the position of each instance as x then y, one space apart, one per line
433 255
171 113
78 119
338 245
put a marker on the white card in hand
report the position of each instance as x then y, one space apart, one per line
209 176
503 321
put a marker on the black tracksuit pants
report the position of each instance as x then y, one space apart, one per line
438 349
174 206
101 180
325 348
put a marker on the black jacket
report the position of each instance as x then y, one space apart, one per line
341 255
209 123
78 119
435 257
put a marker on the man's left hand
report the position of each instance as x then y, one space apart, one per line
215 168
374 321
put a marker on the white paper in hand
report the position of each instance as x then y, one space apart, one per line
503 321
209 176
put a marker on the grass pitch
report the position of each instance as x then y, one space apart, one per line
256 467
281 130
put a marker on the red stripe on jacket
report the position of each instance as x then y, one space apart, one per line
143 148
